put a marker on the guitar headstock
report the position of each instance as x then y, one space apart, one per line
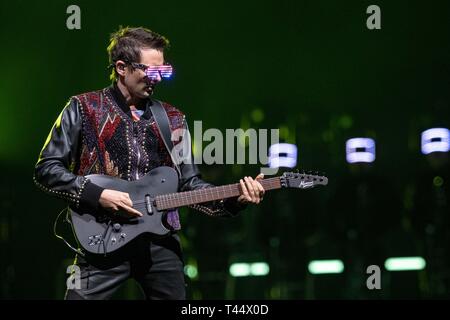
302 180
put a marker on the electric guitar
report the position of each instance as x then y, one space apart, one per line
153 195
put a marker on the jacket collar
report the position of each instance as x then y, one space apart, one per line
121 102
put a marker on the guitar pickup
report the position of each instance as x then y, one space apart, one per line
148 205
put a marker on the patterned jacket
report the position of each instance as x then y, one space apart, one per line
95 134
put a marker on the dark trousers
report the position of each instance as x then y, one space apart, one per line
156 265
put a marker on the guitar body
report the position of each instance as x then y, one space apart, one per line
104 232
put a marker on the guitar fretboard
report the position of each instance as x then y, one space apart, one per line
186 198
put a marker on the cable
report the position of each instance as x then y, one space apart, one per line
78 251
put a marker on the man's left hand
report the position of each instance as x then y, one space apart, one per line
251 190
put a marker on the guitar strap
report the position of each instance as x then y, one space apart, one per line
162 122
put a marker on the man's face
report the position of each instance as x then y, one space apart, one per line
137 83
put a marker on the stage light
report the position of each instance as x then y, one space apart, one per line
404 263
191 271
259 269
360 150
243 269
326 266
282 155
240 269
435 140
438 181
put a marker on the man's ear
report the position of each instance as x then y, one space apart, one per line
120 67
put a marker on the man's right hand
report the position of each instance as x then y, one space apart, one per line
116 201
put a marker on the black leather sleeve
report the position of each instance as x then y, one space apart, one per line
54 170
191 180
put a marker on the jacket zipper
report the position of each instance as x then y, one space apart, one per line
135 142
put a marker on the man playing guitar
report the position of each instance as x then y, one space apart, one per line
113 132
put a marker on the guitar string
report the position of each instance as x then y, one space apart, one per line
180 199
198 193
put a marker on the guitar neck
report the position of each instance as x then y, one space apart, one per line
186 198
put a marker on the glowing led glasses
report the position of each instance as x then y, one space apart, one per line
152 72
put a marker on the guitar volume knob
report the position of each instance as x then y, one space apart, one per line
117 227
